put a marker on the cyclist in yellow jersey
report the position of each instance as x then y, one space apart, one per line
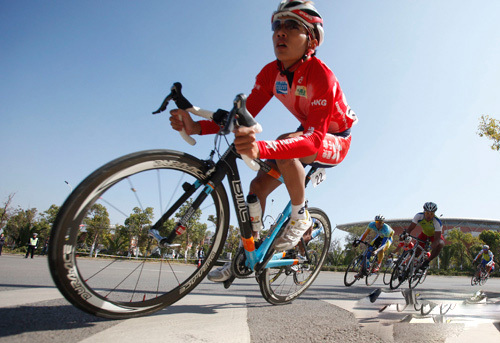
487 261
431 230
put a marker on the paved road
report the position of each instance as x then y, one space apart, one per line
31 309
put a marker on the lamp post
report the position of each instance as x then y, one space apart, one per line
70 187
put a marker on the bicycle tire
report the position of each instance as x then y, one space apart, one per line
387 274
298 275
372 277
474 280
354 268
398 275
414 280
283 288
423 277
133 290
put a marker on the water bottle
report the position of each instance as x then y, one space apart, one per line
255 212
315 233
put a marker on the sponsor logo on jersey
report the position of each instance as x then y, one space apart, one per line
301 91
272 145
281 87
319 102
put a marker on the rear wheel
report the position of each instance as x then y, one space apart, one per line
372 277
283 284
113 209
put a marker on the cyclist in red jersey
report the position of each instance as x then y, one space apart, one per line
311 92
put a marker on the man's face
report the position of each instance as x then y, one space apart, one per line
290 40
379 224
428 215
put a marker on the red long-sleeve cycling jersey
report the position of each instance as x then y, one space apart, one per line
314 98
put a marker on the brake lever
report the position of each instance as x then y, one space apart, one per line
182 103
164 104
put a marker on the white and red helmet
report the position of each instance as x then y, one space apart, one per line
305 12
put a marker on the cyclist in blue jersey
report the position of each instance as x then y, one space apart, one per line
382 240
431 230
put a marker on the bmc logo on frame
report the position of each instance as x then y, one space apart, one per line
319 102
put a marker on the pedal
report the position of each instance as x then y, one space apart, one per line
229 282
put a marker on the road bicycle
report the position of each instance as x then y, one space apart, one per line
408 266
480 276
172 199
388 267
362 267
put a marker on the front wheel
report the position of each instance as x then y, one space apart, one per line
474 280
387 274
281 285
101 257
483 279
353 272
400 272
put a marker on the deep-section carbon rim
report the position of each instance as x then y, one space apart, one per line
135 191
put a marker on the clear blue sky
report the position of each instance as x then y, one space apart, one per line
79 80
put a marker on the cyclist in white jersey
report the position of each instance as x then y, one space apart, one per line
431 230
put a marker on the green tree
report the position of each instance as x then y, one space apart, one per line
460 246
5 211
196 232
116 243
351 252
233 240
335 255
21 226
51 214
97 227
137 225
492 238
490 128
445 257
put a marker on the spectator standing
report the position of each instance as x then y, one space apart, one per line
2 242
32 245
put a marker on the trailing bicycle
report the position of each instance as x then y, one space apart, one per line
168 199
362 266
480 276
388 267
408 266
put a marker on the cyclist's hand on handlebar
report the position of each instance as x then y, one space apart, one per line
187 122
245 142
